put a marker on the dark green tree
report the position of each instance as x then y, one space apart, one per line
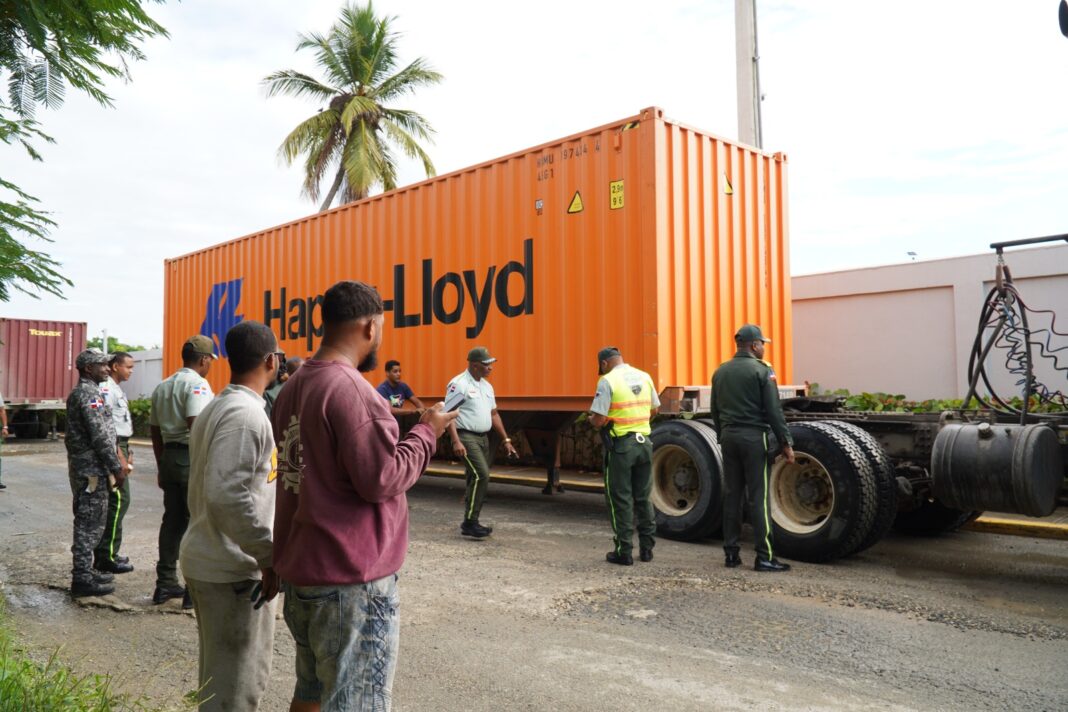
352 137
46 45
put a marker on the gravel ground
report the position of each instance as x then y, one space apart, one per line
532 619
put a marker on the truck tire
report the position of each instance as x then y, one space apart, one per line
822 506
932 518
687 480
885 483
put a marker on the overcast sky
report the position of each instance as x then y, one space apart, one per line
935 127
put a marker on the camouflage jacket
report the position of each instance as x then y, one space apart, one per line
90 439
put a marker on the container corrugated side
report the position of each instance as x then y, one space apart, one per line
37 359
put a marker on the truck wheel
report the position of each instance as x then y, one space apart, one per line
687 480
885 483
933 518
823 505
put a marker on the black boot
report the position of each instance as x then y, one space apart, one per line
81 589
552 481
622 559
102 577
473 529
770 565
732 559
166 593
645 554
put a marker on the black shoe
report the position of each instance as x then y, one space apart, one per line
3 486
121 559
102 577
732 560
115 567
773 565
81 589
166 593
474 530
187 601
487 527
646 555
621 559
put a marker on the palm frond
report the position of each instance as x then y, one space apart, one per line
406 81
410 146
359 108
308 133
296 84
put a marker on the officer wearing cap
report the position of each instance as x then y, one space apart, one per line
106 557
176 402
745 406
92 460
470 434
624 403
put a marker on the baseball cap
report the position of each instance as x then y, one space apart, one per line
480 354
89 357
750 332
606 353
202 345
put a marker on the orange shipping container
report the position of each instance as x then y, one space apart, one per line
644 234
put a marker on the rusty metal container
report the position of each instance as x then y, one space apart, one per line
645 234
37 360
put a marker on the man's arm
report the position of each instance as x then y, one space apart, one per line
378 465
237 456
417 403
498 425
773 411
602 401
3 418
101 437
714 406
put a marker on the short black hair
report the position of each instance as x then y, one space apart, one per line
247 345
118 357
391 363
350 301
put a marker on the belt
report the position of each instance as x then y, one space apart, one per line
640 437
471 432
176 446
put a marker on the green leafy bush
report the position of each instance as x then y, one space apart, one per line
897 403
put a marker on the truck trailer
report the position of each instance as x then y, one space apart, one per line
645 234
37 371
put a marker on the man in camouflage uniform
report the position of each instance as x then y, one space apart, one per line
91 459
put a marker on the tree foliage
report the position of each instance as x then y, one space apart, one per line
114 345
44 46
356 132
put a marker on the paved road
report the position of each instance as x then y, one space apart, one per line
532 619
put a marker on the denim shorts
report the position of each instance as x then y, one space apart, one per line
347 640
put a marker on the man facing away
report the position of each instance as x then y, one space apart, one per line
106 556
227 547
341 521
175 405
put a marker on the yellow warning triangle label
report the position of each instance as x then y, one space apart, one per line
728 189
576 204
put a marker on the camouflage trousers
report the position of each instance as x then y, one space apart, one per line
90 514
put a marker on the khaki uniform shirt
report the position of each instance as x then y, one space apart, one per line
181 396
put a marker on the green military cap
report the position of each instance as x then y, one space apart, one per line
202 345
750 332
480 354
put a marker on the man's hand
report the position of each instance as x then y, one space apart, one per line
510 449
788 454
265 589
438 419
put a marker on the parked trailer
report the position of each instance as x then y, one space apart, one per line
37 371
645 234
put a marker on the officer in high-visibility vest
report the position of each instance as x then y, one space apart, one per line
745 406
625 401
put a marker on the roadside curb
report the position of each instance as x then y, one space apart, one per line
1018 527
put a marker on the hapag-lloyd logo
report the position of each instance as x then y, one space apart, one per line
463 292
220 313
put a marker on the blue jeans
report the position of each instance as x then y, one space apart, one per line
347 640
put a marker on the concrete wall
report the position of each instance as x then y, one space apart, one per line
147 374
909 328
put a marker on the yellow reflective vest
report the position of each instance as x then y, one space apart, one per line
631 402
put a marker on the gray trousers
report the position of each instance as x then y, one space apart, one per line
236 645
90 511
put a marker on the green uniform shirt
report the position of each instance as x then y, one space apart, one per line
181 396
744 392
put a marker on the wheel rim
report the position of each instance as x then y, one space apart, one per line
802 494
676 485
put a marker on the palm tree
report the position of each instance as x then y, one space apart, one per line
356 131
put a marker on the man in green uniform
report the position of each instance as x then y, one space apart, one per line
625 401
175 405
470 434
745 406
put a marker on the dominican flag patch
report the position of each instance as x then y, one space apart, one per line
96 404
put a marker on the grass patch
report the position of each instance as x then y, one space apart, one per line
29 686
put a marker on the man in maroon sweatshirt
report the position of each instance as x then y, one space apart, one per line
341 517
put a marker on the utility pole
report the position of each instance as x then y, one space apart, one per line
105 349
748 61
